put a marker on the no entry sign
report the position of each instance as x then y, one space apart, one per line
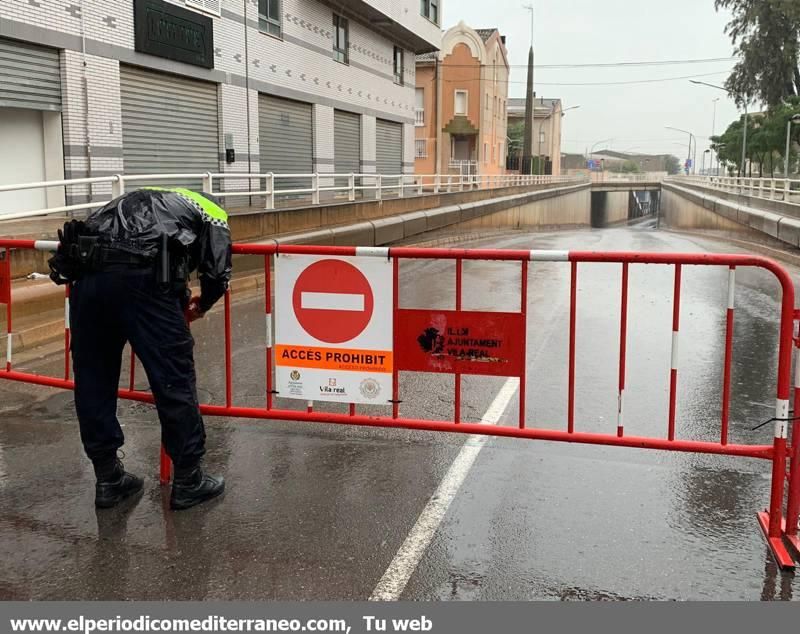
334 328
333 314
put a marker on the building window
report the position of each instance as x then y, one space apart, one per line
399 65
341 39
208 6
430 10
269 16
461 102
485 152
487 100
419 107
420 148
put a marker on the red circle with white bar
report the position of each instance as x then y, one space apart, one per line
333 301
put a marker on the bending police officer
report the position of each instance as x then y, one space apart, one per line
128 266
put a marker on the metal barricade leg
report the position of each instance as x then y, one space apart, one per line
793 507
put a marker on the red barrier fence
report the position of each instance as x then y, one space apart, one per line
491 334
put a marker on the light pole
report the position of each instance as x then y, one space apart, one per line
591 154
742 171
691 140
794 119
714 126
529 7
703 169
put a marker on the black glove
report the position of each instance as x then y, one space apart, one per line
66 264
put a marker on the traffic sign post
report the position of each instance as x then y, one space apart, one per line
334 329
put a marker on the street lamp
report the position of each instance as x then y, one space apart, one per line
794 119
691 139
744 137
591 153
714 126
529 7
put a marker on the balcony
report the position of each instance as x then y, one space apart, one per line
397 20
419 117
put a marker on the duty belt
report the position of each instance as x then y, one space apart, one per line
115 257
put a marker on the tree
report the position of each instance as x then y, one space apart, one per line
673 165
766 139
766 36
516 132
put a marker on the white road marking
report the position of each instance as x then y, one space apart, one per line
405 562
332 301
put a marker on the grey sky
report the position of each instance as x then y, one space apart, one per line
599 31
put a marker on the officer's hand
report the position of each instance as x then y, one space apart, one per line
193 312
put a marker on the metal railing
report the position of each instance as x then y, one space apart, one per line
604 177
781 189
267 186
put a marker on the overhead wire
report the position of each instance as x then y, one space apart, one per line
607 83
629 64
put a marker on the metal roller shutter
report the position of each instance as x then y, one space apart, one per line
286 140
389 148
346 144
169 124
30 76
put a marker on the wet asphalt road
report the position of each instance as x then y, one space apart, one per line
319 512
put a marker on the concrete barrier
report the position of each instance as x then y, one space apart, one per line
702 208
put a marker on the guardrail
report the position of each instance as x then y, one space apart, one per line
781 189
606 177
268 186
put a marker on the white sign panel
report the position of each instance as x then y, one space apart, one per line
334 328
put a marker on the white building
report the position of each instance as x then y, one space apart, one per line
99 87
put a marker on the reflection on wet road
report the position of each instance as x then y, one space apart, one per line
319 512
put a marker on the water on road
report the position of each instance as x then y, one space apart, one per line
321 512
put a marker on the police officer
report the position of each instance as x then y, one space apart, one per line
128 266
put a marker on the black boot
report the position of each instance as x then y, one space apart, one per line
193 486
114 484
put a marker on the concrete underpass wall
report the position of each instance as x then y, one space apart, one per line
690 209
609 208
571 209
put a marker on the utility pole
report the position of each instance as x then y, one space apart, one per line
714 129
795 119
743 171
527 142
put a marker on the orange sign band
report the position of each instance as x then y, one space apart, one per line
375 361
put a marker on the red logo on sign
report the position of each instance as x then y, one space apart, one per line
333 301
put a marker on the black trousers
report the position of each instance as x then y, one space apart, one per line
108 309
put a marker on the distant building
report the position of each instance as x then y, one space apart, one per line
546 131
613 161
461 103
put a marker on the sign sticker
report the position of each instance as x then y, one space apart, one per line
334 328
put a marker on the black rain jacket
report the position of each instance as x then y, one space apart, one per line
193 222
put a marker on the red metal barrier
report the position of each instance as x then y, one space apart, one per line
780 530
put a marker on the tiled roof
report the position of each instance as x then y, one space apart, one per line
427 57
518 103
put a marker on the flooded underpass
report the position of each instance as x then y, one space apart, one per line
321 512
